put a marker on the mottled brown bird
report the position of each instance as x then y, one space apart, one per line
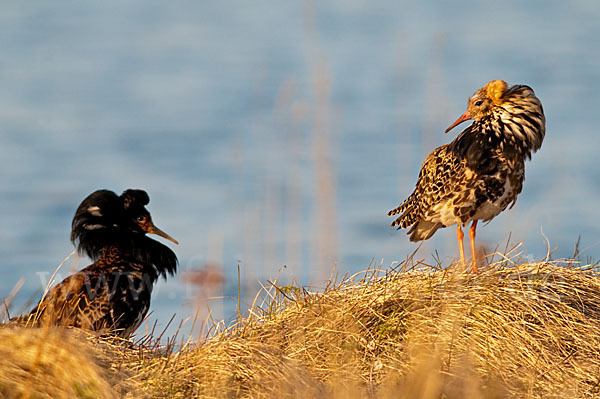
481 172
112 295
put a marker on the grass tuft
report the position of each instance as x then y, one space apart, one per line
50 363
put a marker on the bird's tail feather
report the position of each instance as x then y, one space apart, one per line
423 230
396 211
410 216
406 212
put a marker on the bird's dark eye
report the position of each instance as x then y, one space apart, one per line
141 218
478 103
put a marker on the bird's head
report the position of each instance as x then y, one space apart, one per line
104 219
481 103
506 118
138 219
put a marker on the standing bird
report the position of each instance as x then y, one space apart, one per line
481 172
112 295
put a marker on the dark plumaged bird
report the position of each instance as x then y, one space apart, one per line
112 295
482 170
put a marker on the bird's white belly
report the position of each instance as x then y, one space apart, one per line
444 212
488 210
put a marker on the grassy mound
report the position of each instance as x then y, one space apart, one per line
50 363
527 330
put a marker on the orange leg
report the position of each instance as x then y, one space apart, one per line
474 268
460 235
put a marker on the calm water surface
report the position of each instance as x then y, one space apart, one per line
279 133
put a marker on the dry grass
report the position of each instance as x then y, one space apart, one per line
50 363
515 330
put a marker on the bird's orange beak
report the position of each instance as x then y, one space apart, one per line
152 229
464 117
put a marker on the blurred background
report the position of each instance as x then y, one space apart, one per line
274 136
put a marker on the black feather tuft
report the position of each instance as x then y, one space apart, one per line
134 197
155 256
96 223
